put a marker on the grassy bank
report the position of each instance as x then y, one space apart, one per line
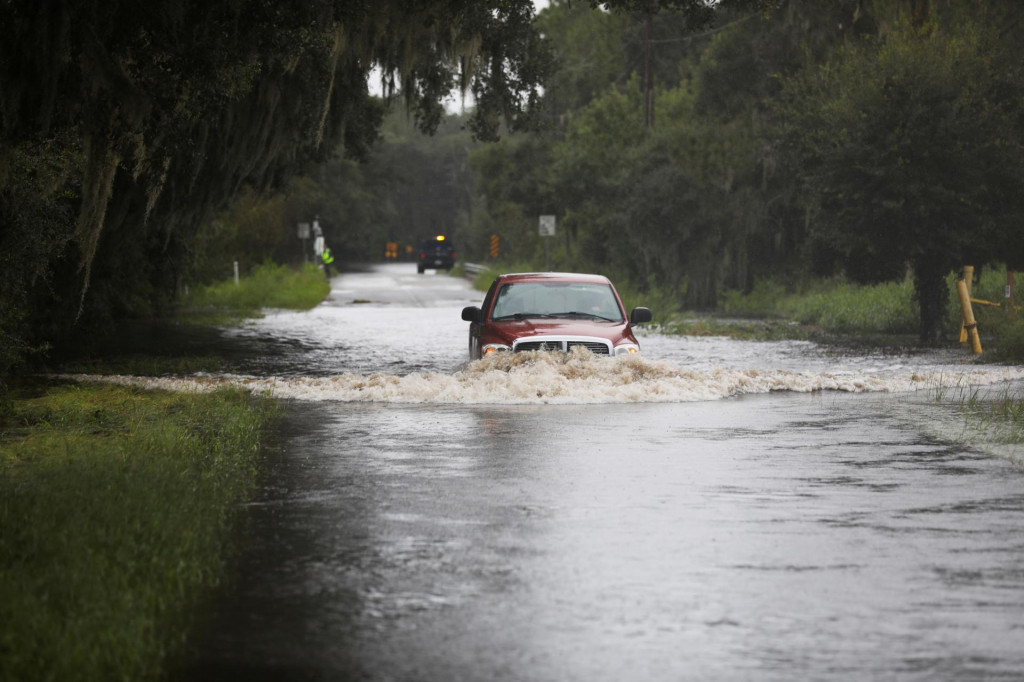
117 506
267 286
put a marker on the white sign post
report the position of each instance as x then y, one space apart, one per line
547 229
304 235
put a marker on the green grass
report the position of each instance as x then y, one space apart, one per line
115 511
824 309
267 286
845 308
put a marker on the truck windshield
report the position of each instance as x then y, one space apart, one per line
556 299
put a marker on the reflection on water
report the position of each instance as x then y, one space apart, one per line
769 537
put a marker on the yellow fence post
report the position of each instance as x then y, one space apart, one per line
970 326
969 278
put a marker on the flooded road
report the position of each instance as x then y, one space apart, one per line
719 511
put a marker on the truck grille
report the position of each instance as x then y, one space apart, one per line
595 347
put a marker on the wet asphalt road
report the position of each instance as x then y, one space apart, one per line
783 536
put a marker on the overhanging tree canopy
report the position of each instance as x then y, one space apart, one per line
126 124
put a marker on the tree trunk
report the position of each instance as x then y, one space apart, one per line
932 296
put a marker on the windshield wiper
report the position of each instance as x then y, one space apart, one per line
521 316
575 313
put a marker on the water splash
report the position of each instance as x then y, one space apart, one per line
570 378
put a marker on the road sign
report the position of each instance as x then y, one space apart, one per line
303 230
494 246
547 226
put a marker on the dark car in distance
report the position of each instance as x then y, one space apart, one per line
437 253
552 311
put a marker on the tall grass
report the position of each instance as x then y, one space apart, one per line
834 306
887 308
267 286
993 418
115 506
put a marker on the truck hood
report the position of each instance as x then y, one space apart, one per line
510 330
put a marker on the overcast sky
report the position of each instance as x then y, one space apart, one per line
453 103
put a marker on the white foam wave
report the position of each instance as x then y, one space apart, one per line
573 378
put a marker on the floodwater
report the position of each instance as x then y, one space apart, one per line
717 510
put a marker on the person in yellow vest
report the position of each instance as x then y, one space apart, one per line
328 259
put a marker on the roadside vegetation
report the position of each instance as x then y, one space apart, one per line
118 506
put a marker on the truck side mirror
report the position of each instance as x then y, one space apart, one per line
639 315
472 314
